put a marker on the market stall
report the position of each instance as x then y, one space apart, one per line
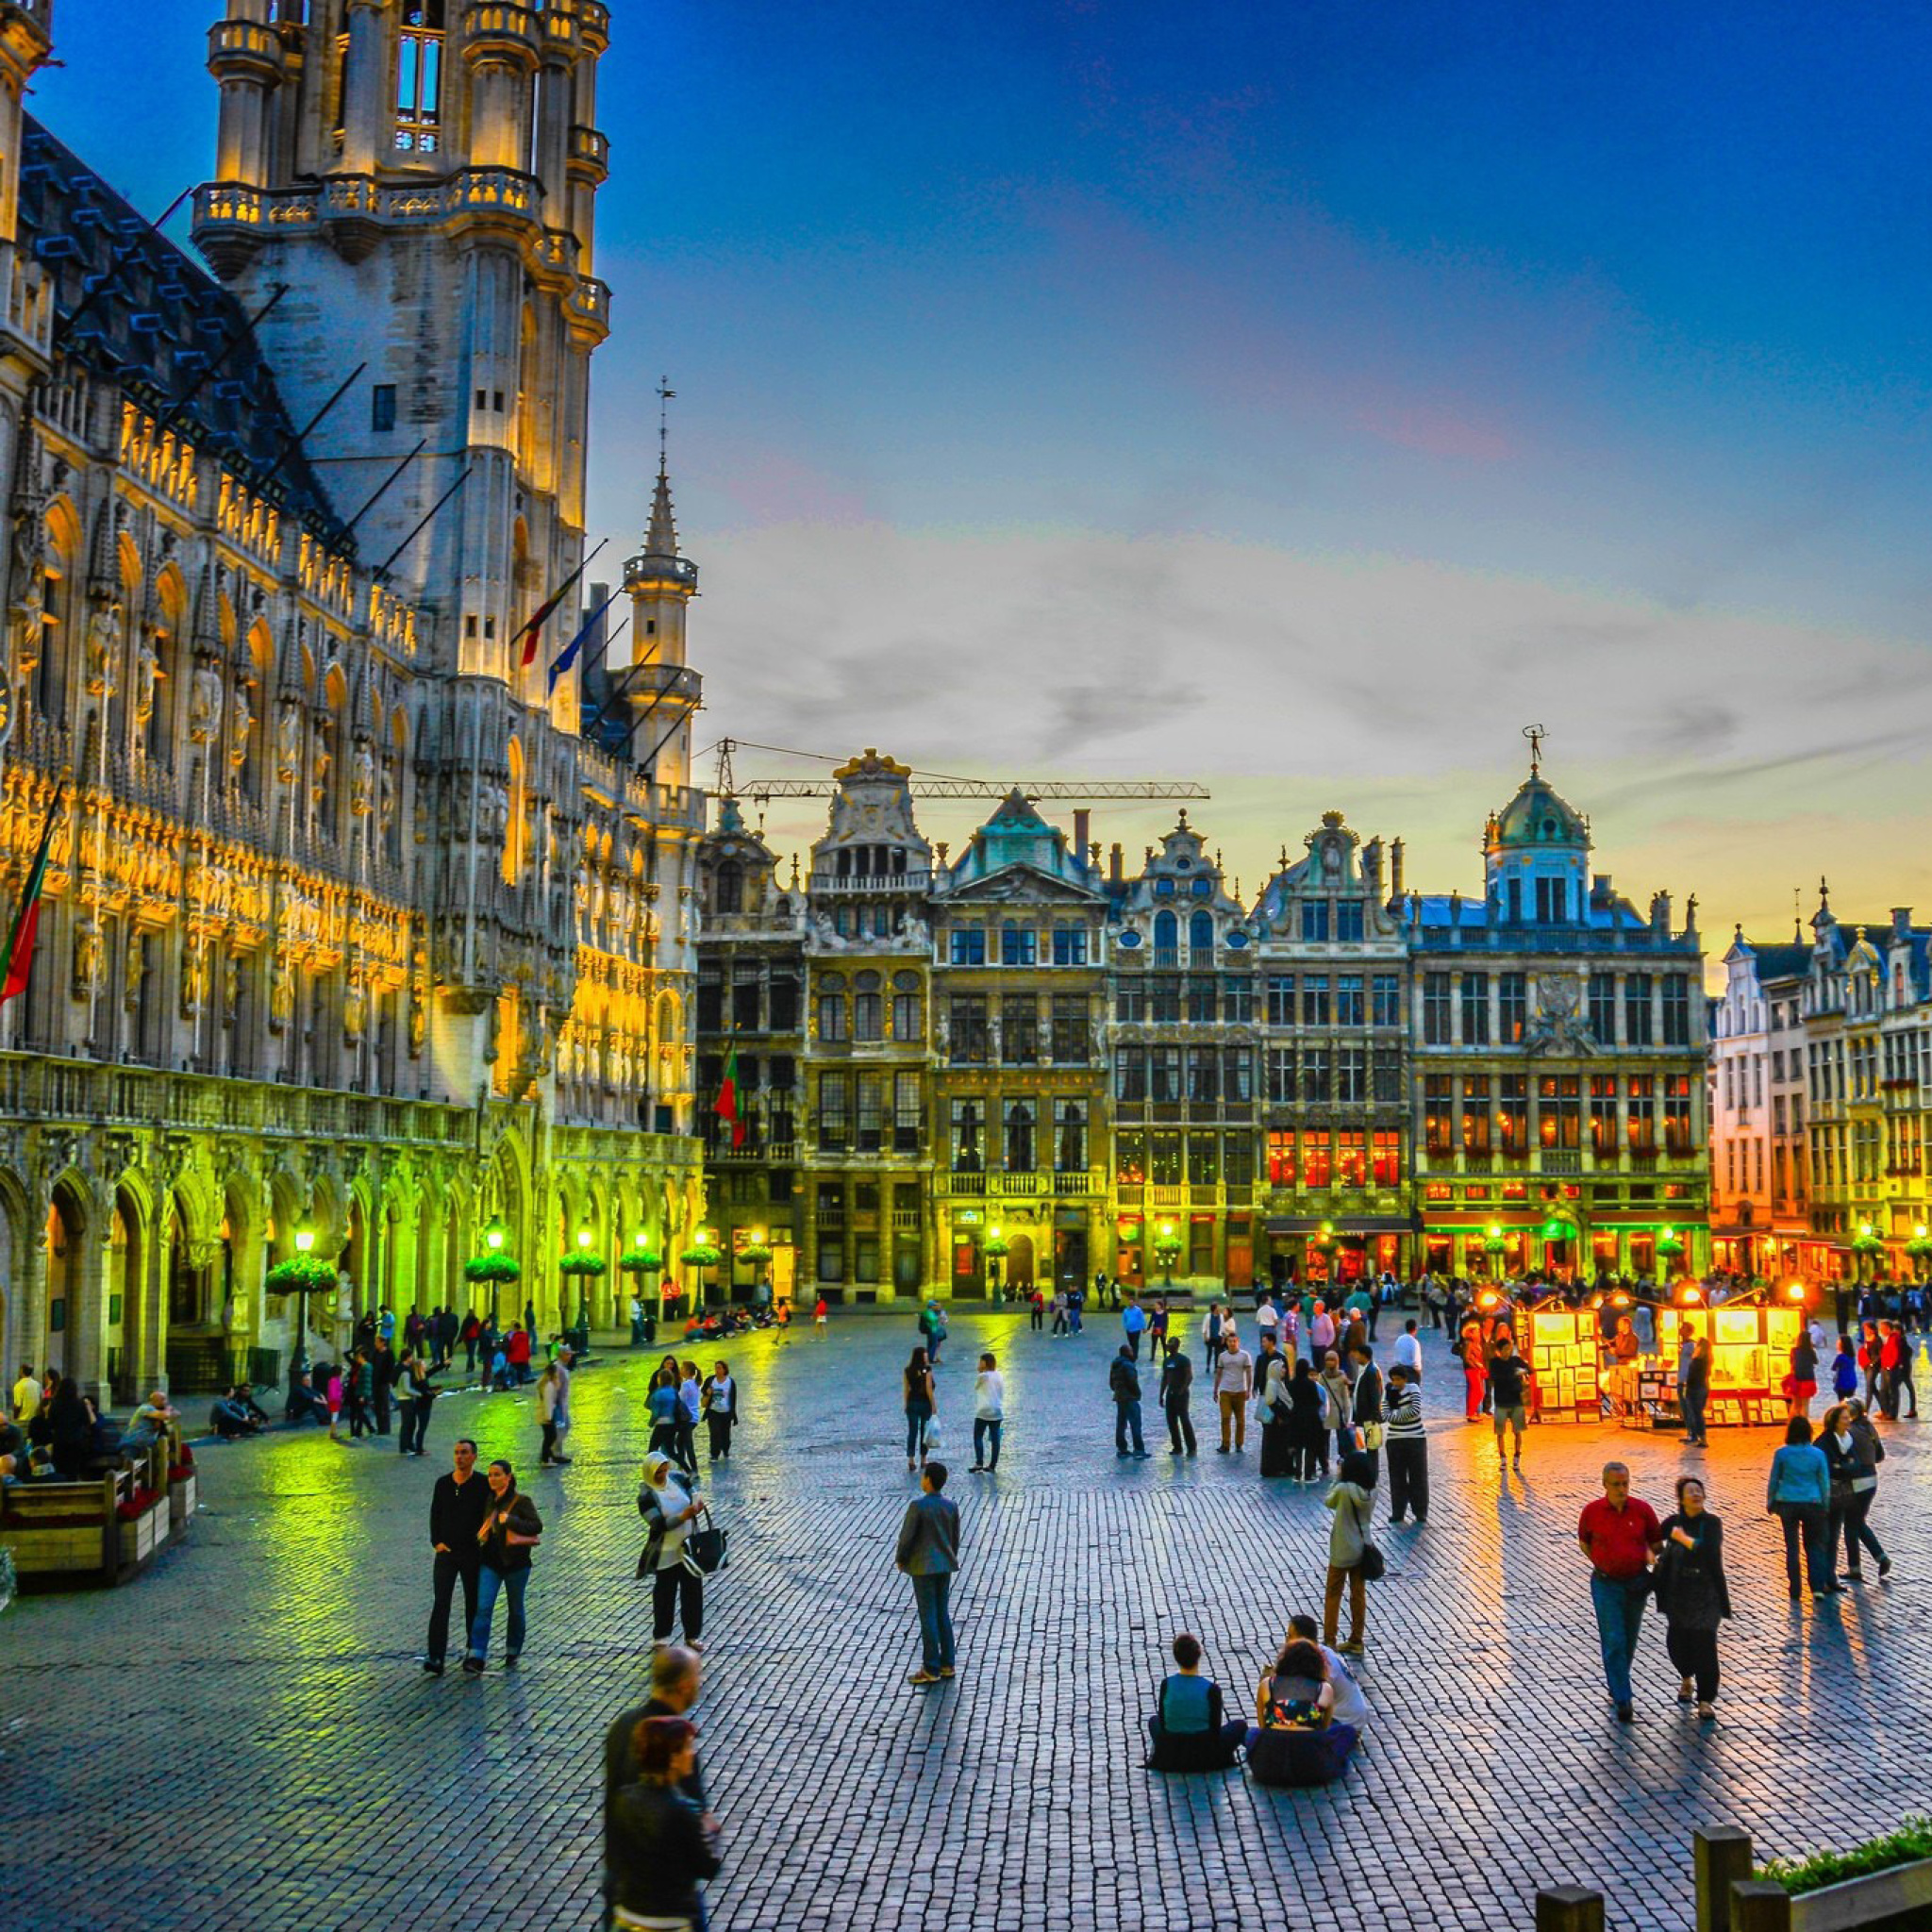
1561 1343
1751 1336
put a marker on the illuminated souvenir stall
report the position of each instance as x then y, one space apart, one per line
1752 1336
1561 1343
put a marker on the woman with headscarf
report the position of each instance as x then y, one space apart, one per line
1277 1421
512 1528
670 1504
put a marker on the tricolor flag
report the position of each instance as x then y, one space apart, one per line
26 915
568 656
546 609
727 1098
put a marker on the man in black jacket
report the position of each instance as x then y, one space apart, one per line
1176 1385
458 1506
676 1674
1123 1378
1365 1400
382 1373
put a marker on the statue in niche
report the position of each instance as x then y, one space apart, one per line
287 743
194 980
281 994
148 668
387 814
356 1009
204 704
231 989
362 781
134 971
32 612
87 956
103 648
419 1026
241 723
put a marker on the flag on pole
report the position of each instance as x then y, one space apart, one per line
548 609
727 1098
26 915
568 656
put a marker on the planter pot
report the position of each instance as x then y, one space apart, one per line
181 1497
141 1538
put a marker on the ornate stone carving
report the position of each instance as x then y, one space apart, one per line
103 649
204 704
363 780
148 668
241 723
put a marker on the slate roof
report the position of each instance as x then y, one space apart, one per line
162 328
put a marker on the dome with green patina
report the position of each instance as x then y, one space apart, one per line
1538 818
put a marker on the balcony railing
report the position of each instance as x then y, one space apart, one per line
1068 1184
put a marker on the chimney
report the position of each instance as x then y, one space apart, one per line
1082 820
1900 922
1113 864
1396 870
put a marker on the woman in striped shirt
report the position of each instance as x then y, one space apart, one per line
1406 1447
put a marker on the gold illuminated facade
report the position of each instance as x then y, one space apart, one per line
346 928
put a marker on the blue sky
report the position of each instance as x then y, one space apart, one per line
1302 397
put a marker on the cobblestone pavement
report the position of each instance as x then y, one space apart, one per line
242 1737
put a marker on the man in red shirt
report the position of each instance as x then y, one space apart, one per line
1621 1535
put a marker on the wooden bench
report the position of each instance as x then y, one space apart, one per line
65 1531
72 1533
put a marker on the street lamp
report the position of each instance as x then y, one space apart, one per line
492 1236
584 1292
303 1286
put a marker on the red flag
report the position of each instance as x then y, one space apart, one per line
26 916
727 1099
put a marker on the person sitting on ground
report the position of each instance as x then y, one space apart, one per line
1351 1707
1295 1740
16 1458
305 1402
230 1417
1190 1728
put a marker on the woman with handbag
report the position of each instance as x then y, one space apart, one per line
511 1529
670 1504
1334 1415
1349 1551
918 1409
1693 1594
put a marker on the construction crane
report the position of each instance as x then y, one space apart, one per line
936 784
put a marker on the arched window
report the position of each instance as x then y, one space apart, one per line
419 79
868 1008
1201 933
1166 932
729 894
906 1003
832 1007
844 863
513 829
1019 1137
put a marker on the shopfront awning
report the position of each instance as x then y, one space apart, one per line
1343 1227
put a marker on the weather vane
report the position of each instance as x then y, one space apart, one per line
665 393
1536 734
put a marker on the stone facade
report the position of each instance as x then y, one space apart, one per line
1758 1154
1559 1041
345 929
1867 1001
1019 1070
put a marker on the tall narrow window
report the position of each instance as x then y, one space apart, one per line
419 79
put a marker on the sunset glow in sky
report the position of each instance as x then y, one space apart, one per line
1302 399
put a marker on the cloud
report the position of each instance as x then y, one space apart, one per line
1389 688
